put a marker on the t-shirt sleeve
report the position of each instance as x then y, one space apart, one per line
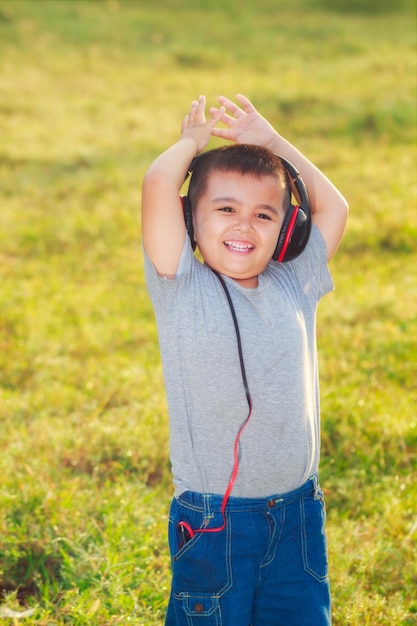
311 269
158 286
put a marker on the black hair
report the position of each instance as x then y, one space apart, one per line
244 159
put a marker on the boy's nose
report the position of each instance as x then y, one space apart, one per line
243 225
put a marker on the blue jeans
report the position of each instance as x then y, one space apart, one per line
268 567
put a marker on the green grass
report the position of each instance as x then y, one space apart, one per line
90 92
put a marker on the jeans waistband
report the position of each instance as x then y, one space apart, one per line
209 503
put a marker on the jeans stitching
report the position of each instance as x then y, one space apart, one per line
304 545
270 553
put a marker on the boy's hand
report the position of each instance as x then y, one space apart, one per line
194 125
246 125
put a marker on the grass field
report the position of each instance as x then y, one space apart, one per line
90 92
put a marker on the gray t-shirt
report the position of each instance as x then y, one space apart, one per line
279 448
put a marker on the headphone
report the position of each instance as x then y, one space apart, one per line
296 227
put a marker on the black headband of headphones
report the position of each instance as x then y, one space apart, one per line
296 227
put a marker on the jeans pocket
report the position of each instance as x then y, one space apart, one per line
198 606
202 566
313 538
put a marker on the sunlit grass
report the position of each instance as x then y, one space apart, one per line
91 92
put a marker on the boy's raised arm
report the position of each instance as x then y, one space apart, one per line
328 207
163 227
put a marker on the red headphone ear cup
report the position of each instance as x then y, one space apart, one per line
294 234
285 234
296 227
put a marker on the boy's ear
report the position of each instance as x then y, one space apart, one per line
188 218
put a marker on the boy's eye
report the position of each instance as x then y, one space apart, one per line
226 209
263 216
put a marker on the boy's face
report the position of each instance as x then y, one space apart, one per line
237 222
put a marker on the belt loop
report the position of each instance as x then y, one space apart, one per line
207 507
315 487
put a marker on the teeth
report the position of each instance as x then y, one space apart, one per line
235 245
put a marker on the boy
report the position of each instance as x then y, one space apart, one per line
237 340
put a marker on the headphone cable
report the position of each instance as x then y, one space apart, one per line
184 528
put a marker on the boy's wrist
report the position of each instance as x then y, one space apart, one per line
193 146
274 144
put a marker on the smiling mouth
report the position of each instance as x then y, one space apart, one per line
238 246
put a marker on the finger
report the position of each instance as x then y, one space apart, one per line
231 106
228 119
184 124
201 103
192 112
223 133
216 115
246 103
224 117
199 109
214 111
